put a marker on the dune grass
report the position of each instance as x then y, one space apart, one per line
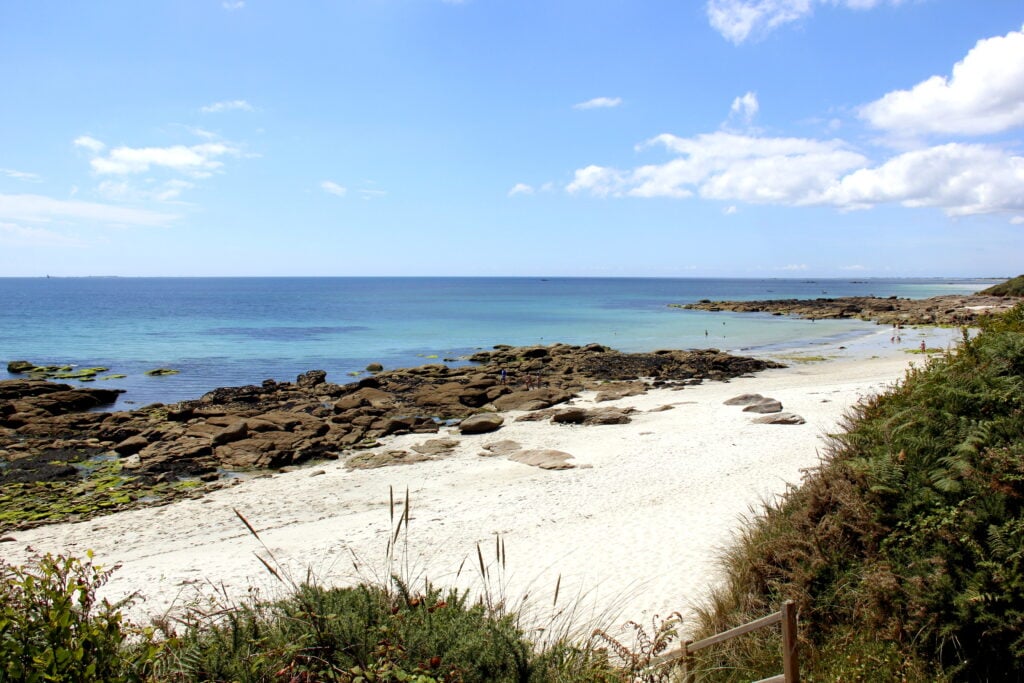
905 549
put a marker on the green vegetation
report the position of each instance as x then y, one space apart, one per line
160 372
904 552
53 627
905 549
1014 287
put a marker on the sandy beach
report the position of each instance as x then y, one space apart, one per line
633 530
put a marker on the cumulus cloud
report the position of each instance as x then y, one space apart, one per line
984 94
36 208
232 5
90 144
198 160
960 179
520 188
227 105
739 20
599 103
331 187
744 108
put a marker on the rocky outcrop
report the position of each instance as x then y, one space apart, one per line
940 310
275 425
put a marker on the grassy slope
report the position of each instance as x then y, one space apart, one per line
905 549
1014 287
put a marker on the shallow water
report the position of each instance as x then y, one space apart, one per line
232 331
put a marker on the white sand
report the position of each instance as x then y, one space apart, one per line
635 530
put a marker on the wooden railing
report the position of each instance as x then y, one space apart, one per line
790 663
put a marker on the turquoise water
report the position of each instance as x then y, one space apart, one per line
232 331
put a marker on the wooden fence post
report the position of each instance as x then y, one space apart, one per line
790 659
689 665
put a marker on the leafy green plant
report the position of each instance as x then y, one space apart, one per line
54 628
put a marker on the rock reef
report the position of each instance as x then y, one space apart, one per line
956 310
162 451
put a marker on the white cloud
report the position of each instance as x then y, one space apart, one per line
1017 220
520 188
744 108
794 267
232 5
855 267
20 175
599 103
331 187
730 210
985 94
739 20
227 105
14 235
371 194
960 179
198 161
597 180
41 209
89 143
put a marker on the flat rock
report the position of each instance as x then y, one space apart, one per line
374 459
743 400
613 392
781 419
436 446
544 458
503 447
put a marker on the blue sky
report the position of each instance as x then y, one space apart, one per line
748 138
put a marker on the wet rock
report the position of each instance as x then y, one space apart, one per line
311 379
131 445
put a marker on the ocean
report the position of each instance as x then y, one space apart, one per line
233 331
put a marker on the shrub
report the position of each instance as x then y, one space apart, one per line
912 530
53 628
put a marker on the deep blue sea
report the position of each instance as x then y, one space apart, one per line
233 331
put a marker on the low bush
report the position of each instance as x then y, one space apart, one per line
53 627
911 531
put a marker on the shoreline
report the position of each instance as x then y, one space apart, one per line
636 524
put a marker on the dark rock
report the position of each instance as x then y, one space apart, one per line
131 445
374 367
310 379
16 367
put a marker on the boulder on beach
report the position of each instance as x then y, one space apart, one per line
481 424
765 405
781 419
743 400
